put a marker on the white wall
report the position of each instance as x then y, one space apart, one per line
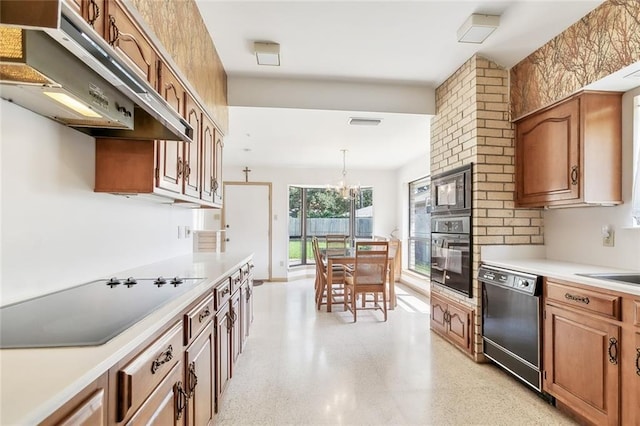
416 169
56 232
384 200
574 234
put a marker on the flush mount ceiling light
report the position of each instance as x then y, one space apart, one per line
267 53
477 28
354 121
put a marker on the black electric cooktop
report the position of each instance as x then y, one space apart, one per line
87 315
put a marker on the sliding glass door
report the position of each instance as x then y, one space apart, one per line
317 212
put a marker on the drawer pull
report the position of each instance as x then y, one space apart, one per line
181 402
204 314
164 357
225 290
581 299
613 350
638 361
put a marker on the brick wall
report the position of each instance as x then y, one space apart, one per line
472 124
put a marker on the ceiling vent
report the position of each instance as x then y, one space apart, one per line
477 28
364 121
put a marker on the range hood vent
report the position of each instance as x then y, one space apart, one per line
73 76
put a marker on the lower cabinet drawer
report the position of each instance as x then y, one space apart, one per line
590 301
198 318
138 378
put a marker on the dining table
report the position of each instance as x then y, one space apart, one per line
348 258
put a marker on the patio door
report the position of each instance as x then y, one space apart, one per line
247 222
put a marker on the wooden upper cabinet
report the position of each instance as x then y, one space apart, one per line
128 40
570 153
208 159
217 186
170 153
192 150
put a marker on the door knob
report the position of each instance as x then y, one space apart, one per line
227 226
226 239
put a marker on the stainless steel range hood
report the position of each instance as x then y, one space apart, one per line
73 76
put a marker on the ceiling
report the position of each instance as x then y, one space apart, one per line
379 42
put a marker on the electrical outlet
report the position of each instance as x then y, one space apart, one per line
608 236
282 263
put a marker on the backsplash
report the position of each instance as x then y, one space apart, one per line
56 232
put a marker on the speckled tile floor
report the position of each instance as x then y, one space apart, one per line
302 367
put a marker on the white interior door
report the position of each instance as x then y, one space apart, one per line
247 220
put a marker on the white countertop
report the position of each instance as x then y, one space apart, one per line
36 382
566 271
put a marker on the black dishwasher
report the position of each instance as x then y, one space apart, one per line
511 326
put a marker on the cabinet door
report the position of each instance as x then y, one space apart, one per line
208 160
88 407
581 358
217 186
438 314
223 352
548 155
247 309
170 153
166 405
192 150
199 379
235 313
459 325
130 43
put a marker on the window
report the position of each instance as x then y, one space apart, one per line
420 226
635 198
322 211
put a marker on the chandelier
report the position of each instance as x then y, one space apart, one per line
345 190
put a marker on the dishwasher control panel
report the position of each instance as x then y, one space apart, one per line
520 281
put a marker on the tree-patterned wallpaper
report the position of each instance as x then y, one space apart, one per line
603 42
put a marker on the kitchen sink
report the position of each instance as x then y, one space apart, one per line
627 278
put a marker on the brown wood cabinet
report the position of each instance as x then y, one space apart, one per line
192 151
592 352
87 408
452 321
570 152
211 162
200 383
130 42
223 346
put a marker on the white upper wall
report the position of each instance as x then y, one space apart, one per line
56 232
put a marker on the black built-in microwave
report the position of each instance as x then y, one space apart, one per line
451 192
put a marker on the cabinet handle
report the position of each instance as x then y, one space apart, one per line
164 357
574 175
613 350
204 314
225 291
638 361
214 184
248 293
193 378
95 9
233 315
581 299
181 402
229 323
187 170
179 167
114 33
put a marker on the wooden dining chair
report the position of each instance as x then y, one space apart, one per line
327 293
369 275
336 244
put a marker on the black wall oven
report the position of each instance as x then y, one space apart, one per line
451 253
